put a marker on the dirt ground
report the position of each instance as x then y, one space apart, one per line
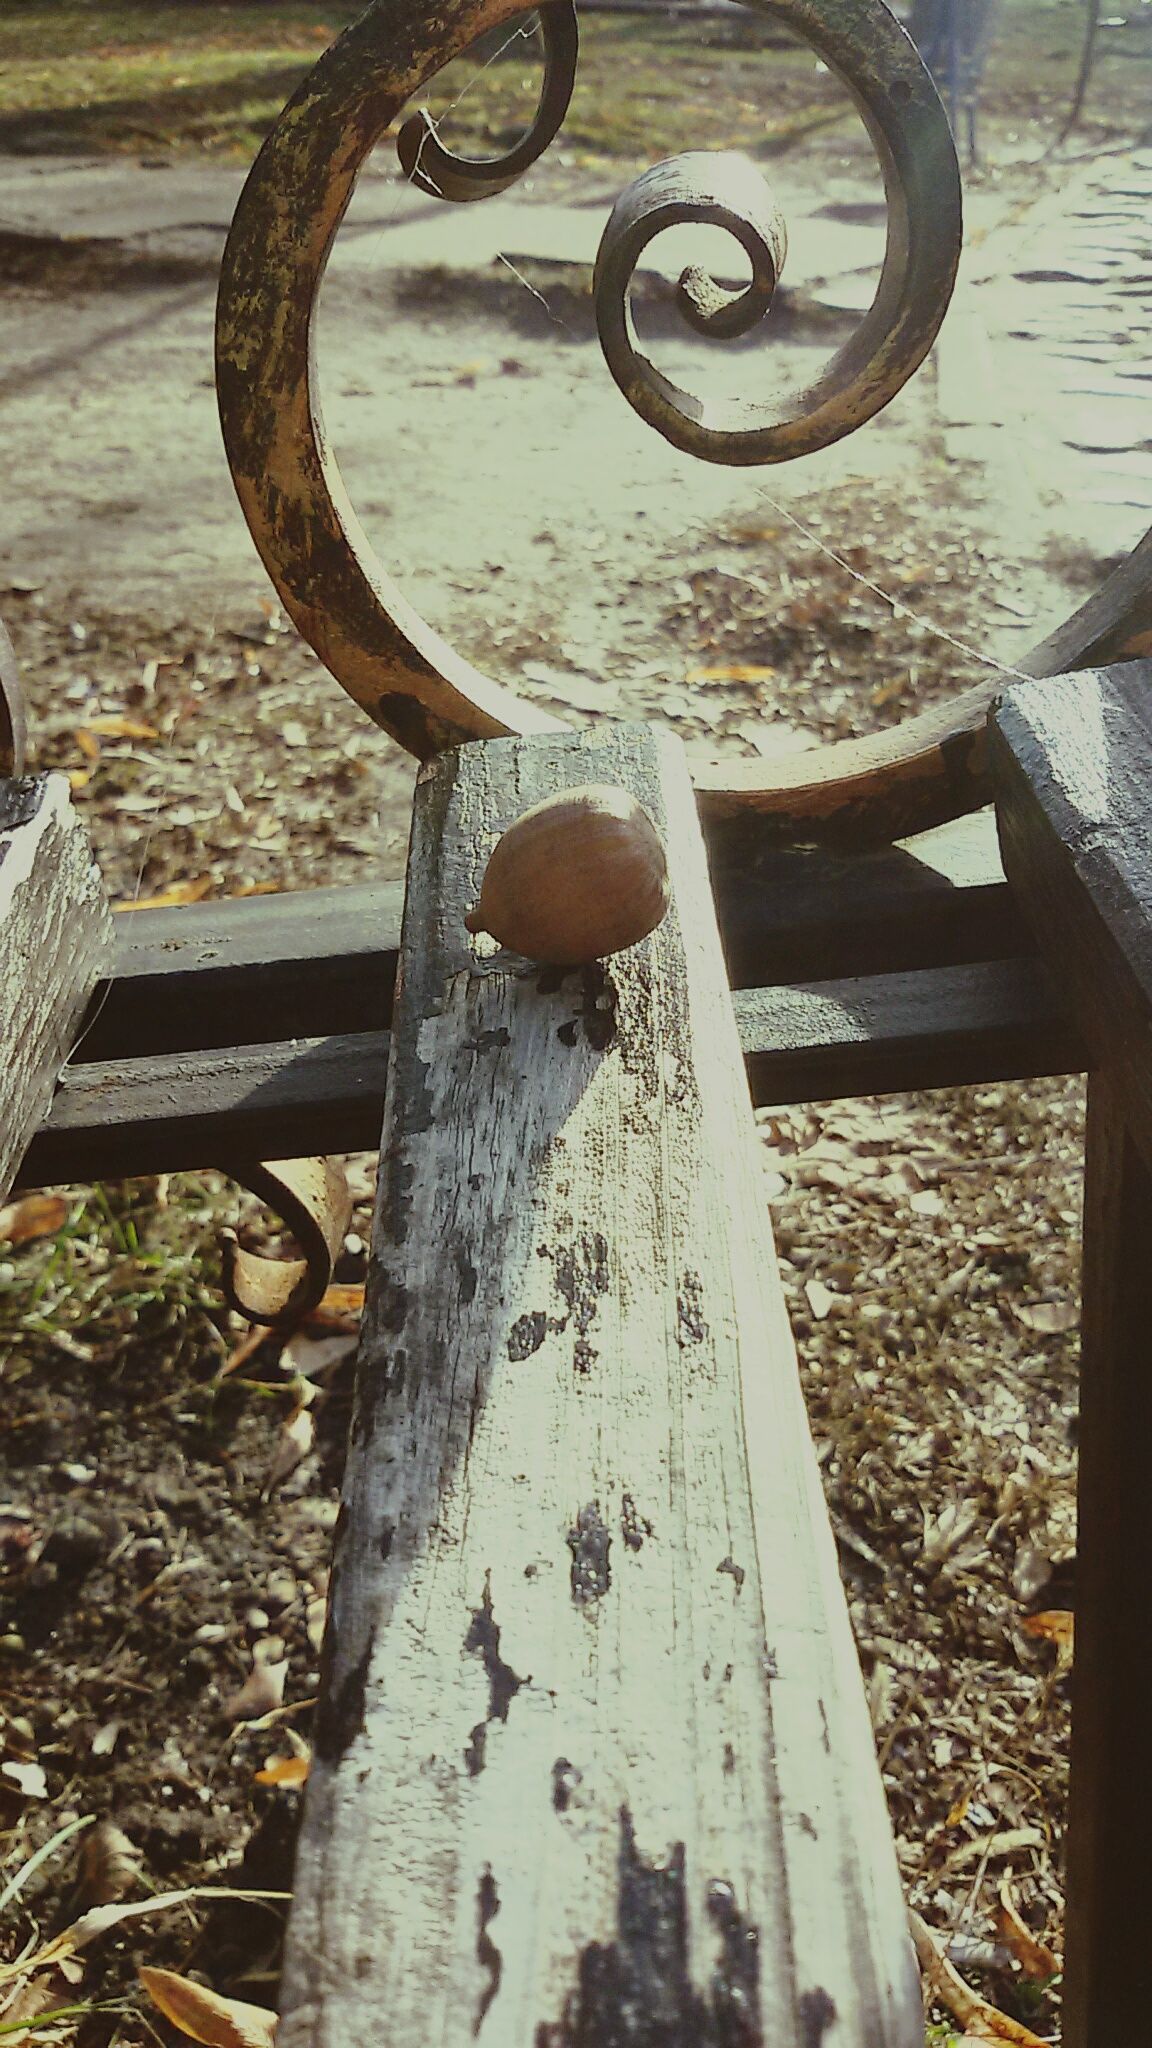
166 1517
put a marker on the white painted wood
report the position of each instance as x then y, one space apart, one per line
593 1766
55 940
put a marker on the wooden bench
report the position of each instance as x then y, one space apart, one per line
593 1763
584 1367
590 1685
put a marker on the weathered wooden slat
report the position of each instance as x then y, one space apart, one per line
592 1760
997 1021
55 939
810 914
318 961
112 1119
249 969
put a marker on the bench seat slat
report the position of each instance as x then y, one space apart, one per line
593 1761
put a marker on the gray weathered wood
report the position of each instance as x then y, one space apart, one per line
593 1767
995 1020
111 1119
55 940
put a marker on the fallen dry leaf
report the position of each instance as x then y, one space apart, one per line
1055 1625
87 742
315 1619
205 2015
993 1848
244 1350
180 892
29 1778
285 1770
34 1216
820 1299
293 1445
944 1533
983 2022
312 1357
732 672
1034 1956
342 1303
1047 1318
109 1865
113 727
261 1692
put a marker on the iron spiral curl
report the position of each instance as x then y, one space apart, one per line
438 171
405 675
867 49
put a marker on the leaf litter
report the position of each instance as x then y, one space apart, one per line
928 1248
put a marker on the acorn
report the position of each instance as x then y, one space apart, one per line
575 878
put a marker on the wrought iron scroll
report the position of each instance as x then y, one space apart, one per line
386 656
863 44
436 170
312 1197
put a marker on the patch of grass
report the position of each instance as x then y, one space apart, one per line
190 78
175 74
123 1263
1033 59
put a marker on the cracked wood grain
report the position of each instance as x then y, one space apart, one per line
55 941
593 1764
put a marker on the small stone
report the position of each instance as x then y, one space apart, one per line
76 1543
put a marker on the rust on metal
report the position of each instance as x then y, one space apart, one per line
864 45
408 679
720 188
312 1198
427 164
13 722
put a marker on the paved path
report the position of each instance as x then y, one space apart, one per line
1039 376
